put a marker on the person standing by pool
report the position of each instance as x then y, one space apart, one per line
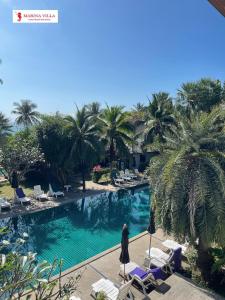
124 255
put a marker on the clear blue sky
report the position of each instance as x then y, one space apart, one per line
116 51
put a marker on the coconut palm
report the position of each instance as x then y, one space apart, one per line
26 113
84 135
201 95
5 127
94 108
188 180
116 131
159 118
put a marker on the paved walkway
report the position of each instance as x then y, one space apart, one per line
107 265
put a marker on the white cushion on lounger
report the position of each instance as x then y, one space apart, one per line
157 253
170 244
24 200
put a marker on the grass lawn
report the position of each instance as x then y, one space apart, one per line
8 192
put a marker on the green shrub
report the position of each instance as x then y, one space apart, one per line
192 256
101 296
96 175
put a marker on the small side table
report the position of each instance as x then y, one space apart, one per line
67 187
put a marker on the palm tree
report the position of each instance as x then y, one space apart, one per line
139 107
26 113
5 127
201 95
86 144
159 118
94 108
116 131
188 180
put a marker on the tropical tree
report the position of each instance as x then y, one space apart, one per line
22 276
139 107
116 131
20 154
55 145
5 127
159 118
188 180
85 142
201 95
94 108
26 113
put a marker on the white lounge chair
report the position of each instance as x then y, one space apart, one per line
129 174
4 204
129 267
57 194
125 177
39 193
111 291
172 245
118 180
162 260
136 172
21 197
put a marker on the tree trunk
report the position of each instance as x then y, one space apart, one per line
204 261
83 180
111 152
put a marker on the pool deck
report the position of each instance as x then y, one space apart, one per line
107 265
71 196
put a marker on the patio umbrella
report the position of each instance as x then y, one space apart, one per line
151 229
14 182
124 255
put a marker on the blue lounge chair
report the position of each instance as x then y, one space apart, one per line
151 277
21 197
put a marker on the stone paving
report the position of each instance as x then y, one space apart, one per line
107 265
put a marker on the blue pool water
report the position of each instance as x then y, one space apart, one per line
82 229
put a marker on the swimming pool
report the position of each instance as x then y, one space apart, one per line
80 230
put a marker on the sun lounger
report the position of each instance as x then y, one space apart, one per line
128 268
4 204
21 197
125 177
129 174
39 193
57 194
158 258
147 278
118 180
111 291
136 172
172 245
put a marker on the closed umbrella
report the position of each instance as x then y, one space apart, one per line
151 229
14 182
124 255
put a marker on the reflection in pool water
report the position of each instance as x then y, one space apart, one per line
82 229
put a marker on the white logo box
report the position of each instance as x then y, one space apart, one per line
34 16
